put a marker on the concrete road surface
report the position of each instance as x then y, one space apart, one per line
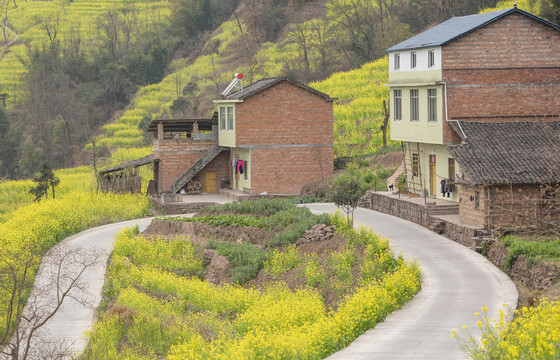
457 282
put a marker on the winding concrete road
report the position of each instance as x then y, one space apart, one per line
457 283
66 329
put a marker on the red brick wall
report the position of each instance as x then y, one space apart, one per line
286 170
220 164
286 114
508 70
176 156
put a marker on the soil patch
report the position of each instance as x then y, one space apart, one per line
200 233
320 241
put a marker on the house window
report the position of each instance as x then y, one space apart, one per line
222 117
398 104
432 105
397 63
414 105
415 164
230 117
476 200
451 167
431 58
413 60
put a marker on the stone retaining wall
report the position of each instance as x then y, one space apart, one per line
418 214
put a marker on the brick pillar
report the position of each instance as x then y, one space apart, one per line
195 127
160 130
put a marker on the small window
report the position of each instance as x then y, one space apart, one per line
432 105
230 117
415 164
398 104
397 63
414 105
431 58
476 200
222 117
413 60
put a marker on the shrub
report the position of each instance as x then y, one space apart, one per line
246 259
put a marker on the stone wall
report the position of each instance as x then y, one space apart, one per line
419 214
405 210
536 277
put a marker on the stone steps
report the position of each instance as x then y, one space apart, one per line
443 209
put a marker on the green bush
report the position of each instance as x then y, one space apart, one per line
246 259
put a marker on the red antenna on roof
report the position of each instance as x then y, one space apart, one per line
237 83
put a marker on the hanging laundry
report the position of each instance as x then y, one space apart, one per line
234 164
241 166
443 188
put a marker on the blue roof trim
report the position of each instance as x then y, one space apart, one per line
457 27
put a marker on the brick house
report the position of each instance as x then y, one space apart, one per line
280 133
476 101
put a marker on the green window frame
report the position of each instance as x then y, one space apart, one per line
222 117
432 105
414 105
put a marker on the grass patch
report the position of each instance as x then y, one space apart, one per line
534 250
246 259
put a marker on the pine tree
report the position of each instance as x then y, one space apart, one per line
45 178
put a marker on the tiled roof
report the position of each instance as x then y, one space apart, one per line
512 152
133 163
267 83
456 27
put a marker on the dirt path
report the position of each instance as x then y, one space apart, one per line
11 41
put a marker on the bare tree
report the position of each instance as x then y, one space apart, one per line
299 34
4 17
50 23
59 279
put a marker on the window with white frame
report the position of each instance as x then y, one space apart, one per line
413 60
398 104
414 105
222 117
397 61
432 105
230 117
431 58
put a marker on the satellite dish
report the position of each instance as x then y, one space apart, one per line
237 83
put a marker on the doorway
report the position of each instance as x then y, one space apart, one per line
432 175
210 182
